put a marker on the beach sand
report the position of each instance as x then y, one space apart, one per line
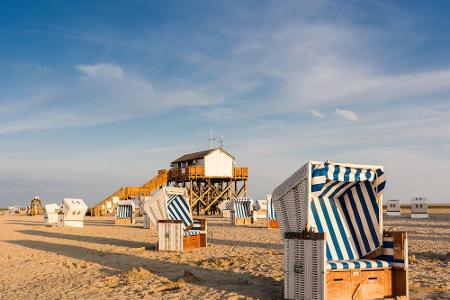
118 261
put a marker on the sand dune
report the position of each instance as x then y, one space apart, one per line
107 260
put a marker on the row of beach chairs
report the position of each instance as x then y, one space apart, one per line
331 221
419 208
70 213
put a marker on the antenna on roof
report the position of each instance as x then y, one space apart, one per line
211 139
221 141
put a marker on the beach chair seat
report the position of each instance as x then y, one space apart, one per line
357 264
335 247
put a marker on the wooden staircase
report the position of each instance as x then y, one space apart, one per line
131 192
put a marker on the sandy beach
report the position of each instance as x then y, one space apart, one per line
118 261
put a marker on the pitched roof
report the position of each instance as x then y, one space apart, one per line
197 155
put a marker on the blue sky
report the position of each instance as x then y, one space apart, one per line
98 95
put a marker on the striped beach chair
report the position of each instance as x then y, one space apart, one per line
225 208
170 210
241 211
125 212
272 221
335 248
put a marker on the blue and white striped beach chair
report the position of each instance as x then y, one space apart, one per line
335 247
241 211
169 208
125 212
272 221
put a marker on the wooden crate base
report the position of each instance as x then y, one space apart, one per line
243 221
194 242
360 284
273 224
124 221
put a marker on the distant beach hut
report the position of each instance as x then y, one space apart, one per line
393 208
169 209
125 212
241 211
335 247
72 213
419 208
51 212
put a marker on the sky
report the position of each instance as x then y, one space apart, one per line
95 95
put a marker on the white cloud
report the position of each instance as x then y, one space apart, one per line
347 114
106 70
103 93
317 114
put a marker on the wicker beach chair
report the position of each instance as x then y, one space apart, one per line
241 211
72 213
51 214
125 212
170 210
419 208
335 248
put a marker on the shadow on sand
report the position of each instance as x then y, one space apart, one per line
89 239
246 284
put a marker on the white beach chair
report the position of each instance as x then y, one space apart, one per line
125 212
335 248
169 209
419 208
241 211
51 212
393 208
72 213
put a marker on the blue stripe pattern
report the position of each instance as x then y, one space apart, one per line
242 207
124 211
271 215
178 209
357 264
197 225
388 253
344 205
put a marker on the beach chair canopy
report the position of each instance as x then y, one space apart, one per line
242 207
345 204
342 200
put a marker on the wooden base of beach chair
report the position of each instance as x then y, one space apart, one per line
400 282
243 221
191 242
124 221
273 224
194 242
359 284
